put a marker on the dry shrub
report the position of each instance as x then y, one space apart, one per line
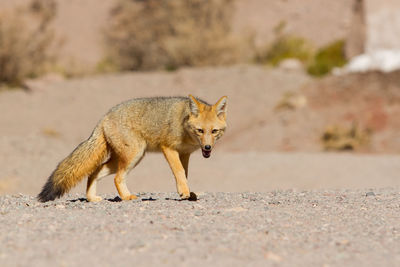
342 138
291 101
25 37
327 58
285 47
145 35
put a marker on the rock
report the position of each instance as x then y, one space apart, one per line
198 213
291 64
370 194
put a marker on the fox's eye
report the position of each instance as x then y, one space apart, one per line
214 131
200 130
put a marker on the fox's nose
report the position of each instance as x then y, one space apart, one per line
207 147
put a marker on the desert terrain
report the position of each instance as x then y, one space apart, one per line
307 173
287 200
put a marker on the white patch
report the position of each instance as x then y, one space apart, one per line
383 60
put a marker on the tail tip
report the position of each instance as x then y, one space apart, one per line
44 197
49 192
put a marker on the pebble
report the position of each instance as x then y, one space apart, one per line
198 213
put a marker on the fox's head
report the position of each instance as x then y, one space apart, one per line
207 123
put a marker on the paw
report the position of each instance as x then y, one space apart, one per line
130 197
191 197
94 198
184 196
183 191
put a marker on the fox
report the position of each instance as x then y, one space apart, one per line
175 126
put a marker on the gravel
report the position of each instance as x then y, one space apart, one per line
285 228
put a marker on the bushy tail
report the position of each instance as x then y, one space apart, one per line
82 162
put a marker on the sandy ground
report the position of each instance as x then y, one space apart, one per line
279 228
326 214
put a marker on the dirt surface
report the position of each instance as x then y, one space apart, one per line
347 215
279 228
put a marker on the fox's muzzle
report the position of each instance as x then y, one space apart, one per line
206 150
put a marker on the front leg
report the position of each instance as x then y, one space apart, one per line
185 162
178 170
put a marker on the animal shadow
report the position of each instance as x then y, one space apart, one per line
192 197
81 199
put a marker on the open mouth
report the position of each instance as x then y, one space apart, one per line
206 153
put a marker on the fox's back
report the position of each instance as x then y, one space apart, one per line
156 119
153 112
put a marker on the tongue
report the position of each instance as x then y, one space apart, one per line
206 153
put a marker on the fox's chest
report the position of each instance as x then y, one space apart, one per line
181 148
187 148
181 143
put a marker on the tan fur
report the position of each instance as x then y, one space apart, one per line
176 126
78 165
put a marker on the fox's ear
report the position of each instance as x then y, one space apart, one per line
221 107
194 105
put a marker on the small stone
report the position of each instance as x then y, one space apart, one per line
137 245
343 242
198 213
370 194
291 64
274 202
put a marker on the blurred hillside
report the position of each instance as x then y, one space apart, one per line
112 35
80 24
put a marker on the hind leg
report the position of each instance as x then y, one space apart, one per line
127 147
125 164
107 168
128 151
